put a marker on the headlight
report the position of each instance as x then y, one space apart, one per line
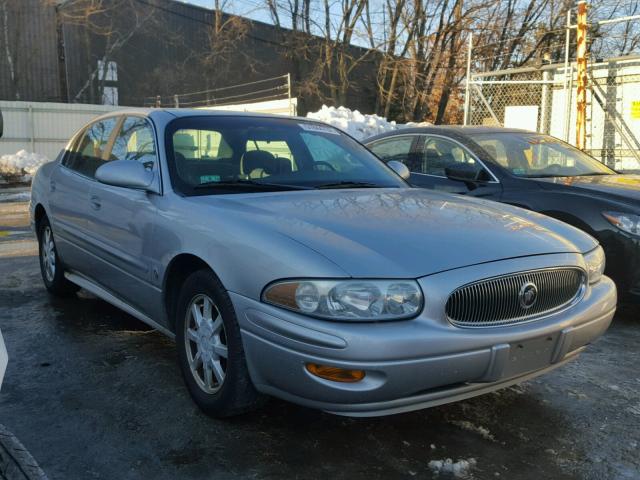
359 300
595 264
627 222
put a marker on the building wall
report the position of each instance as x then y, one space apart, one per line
170 53
31 52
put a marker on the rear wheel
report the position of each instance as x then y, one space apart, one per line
210 348
50 265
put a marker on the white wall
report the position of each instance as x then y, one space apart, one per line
44 128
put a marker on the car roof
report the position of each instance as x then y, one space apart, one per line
447 129
194 112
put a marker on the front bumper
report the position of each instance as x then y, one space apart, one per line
623 262
418 363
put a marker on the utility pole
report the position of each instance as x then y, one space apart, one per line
467 90
581 54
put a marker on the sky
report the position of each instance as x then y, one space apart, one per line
247 8
257 10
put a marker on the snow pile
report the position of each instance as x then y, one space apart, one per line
353 122
416 124
22 164
459 469
359 125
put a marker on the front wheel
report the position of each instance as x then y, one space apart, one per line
210 348
50 265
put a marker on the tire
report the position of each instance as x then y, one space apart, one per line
15 461
204 334
51 267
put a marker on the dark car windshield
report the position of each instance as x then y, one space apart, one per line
534 155
234 154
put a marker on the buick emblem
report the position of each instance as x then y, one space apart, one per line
528 295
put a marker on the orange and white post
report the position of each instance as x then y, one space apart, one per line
581 60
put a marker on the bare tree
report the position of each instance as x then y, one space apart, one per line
114 23
10 42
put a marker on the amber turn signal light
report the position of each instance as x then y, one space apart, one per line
335 374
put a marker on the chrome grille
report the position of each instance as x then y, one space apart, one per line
499 300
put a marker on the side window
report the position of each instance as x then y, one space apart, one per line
135 142
396 148
89 152
439 153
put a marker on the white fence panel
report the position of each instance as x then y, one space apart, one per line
287 106
44 128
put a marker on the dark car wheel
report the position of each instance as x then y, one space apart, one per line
210 348
50 265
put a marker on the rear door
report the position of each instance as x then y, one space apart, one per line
70 192
122 221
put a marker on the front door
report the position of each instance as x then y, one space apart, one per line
122 222
435 153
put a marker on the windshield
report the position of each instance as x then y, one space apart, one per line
534 155
227 154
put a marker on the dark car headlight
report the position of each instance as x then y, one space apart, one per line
355 300
627 222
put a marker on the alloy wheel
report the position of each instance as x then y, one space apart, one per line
48 252
206 343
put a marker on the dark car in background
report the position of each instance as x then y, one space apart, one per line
530 170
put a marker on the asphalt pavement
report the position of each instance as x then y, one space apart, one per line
94 393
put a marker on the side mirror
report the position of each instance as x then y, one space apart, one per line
127 174
400 168
463 172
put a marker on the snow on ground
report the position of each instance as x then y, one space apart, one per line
460 469
21 166
471 427
358 125
15 197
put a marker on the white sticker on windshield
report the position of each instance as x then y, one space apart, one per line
316 127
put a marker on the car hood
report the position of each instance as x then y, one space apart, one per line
401 232
621 186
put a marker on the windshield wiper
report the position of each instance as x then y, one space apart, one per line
246 183
347 184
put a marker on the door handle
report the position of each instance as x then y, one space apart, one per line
52 186
95 202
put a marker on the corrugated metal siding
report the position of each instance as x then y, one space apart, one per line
166 56
31 29
44 128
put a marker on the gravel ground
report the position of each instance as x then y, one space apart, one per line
93 393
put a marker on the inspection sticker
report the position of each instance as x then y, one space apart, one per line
635 109
316 127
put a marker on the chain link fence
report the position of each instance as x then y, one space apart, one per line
543 99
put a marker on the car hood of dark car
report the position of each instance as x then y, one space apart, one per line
401 232
625 187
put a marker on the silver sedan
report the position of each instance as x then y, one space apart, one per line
287 260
